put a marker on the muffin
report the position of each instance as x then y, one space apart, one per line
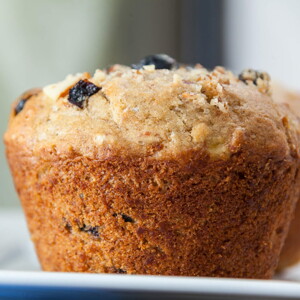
291 250
158 168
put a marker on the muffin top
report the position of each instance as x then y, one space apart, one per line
156 108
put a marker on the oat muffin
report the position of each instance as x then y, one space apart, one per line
291 250
156 169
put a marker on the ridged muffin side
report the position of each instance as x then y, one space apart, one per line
290 254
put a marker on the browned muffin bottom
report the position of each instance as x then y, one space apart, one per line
290 254
170 172
141 216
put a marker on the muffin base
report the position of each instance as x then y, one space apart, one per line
290 254
190 216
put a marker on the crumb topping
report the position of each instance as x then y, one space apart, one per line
150 110
260 79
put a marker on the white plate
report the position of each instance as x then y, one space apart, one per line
21 278
36 283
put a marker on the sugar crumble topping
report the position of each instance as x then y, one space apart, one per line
156 103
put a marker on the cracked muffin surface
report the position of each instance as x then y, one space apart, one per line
173 170
148 111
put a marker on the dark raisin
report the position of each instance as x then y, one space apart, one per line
68 227
25 96
127 218
116 270
241 175
19 107
91 230
160 61
81 91
279 230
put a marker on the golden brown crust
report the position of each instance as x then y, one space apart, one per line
197 218
211 195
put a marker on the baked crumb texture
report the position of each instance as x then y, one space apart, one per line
150 112
171 172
